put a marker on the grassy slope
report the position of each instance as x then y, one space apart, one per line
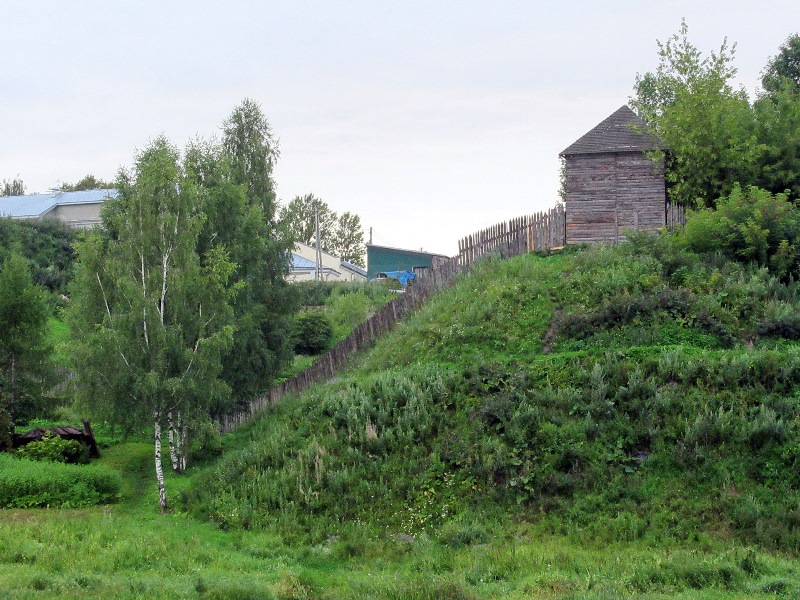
613 396
535 431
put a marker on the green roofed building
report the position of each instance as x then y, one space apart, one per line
381 259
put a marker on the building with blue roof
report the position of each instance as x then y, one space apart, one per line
77 209
331 268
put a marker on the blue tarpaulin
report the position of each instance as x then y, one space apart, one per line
402 276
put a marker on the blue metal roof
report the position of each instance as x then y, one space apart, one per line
352 267
33 206
298 262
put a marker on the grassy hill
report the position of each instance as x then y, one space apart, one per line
638 394
599 423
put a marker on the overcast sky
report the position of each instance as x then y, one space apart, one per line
429 119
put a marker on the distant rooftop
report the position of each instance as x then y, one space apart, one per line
354 268
37 206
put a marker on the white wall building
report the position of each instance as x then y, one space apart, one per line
331 268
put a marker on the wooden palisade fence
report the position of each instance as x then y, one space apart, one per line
541 231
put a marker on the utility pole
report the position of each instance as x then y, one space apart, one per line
319 249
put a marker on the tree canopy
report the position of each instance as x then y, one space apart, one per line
88 182
783 70
706 124
24 352
716 137
340 235
238 196
15 187
151 324
48 246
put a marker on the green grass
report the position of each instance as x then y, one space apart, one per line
603 423
127 552
57 336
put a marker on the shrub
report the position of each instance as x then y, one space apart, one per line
55 449
749 225
347 311
313 333
781 320
206 442
26 484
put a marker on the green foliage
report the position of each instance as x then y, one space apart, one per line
24 352
777 122
340 235
55 449
783 70
150 323
48 246
313 333
715 137
707 125
151 319
88 182
252 151
752 225
299 219
236 192
350 304
27 484
206 442
15 187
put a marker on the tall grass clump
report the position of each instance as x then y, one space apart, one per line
25 484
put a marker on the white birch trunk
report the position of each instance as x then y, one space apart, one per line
174 444
183 450
162 491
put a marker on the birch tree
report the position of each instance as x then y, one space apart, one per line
150 323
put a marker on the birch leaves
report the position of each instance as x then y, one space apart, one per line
151 321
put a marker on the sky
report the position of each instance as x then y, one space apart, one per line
431 120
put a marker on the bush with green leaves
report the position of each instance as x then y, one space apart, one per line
749 225
347 311
27 484
313 333
206 442
56 449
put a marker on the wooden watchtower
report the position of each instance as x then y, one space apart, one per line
611 183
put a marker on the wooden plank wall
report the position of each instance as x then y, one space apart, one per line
541 231
610 192
675 216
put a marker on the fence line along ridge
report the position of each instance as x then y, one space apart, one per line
540 231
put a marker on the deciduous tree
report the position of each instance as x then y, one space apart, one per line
708 126
298 219
89 182
340 235
348 241
24 352
151 324
783 70
239 199
15 187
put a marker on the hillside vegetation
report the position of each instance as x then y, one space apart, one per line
638 394
598 423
